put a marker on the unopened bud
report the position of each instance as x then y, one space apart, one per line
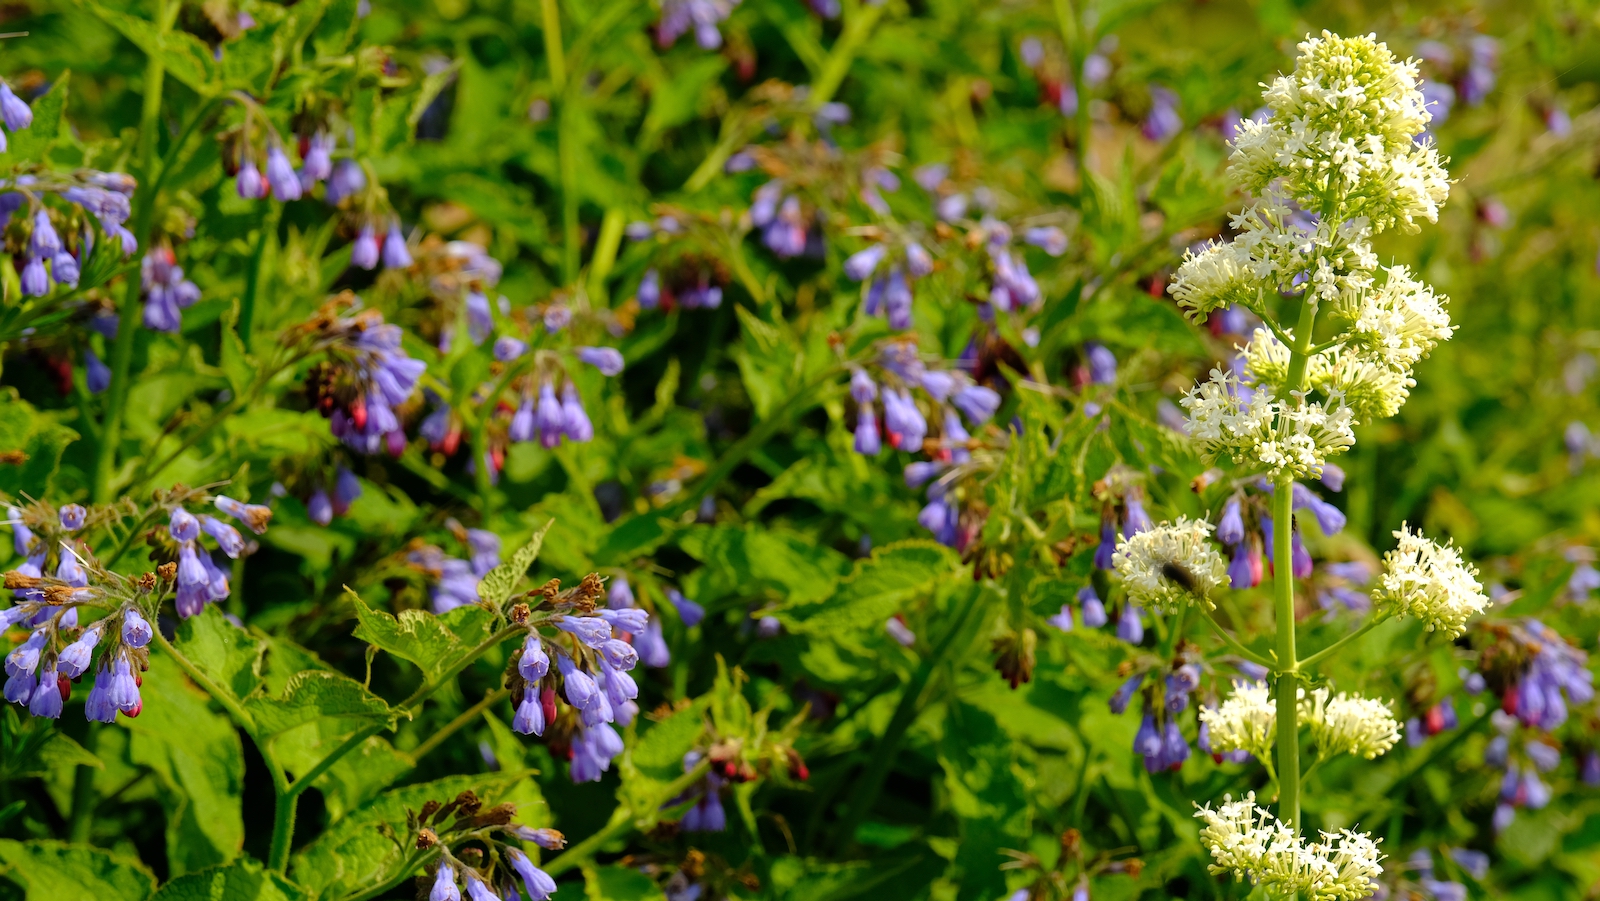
426 838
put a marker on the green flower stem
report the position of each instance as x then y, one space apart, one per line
401 874
623 821
870 783
1307 663
843 53
281 831
1288 682
1233 643
128 313
253 276
457 724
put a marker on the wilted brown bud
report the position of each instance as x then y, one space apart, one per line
1014 656
467 803
147 582
694 864
1070 840
167 571
590 590
16 579
426 838
428 810
549 590
519 614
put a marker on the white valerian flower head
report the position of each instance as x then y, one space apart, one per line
1252 844
1246 721
1398 324
1430 582
1220 275
1295 438
1342 133
1348 724
1171 565
1371 389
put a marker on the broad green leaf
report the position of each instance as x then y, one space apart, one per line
225 653
30 746
34 437
614 883
56 871
355 778
314 694
337 27
743 560
237 363
242 880
496 587
353 854
877 586
420 637
185 56
659 751
196 754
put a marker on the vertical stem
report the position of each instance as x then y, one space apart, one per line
83 797
554 55
566 153
1288 676
127 319
282 830
1288 687
252 277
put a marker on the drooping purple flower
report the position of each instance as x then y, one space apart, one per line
124 689
395 253
364 250
14 109
1050 239
1136 520
537 882
72 516
64 269
1230 528
74 659
549 418
281 176
135 629
348 179
897 300
976 402
1130 624
1108 543
254 516
649 293
575 422
96 374
507 348
606 359
1124 694
1094 612
1063 619
861 264
690 612
1102 364
35 280
318 162
319 508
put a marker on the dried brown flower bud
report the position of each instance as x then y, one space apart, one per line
519 614
147 582
16 579
549 590
426 838
167 571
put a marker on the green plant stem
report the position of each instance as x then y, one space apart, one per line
253 276
622 822
884 752
460 722
401 875
843 53
554 56
83 799
566 149
1233 643
278 857
1288 682
128 313
1307 663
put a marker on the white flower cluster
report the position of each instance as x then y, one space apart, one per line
1260 430
1246 721
1251 843
1368 386
1398 324
1171 564
1430 582
1342 134
1348 724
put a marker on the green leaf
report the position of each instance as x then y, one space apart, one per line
31 144
242 880
225 653
185 56
38 438
614 883
496 587
312 695
237 364
743 560
57 871
877 586
353 854
659 752
420 637
196 755
337 27
30 746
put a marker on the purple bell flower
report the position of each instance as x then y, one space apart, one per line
395 253
690 612
606 359
14 109
976 402
1230 528
319 509
549 418
364 250
575 422
347 179
35 280
1130 625
96 374
281 175
1094 612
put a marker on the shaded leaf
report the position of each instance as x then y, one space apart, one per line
57 871
498 584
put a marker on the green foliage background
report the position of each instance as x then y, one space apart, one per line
927 770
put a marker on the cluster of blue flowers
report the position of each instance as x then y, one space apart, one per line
594 668
453 581
166 292
701 16
324 505
40 672
369 375
452 873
